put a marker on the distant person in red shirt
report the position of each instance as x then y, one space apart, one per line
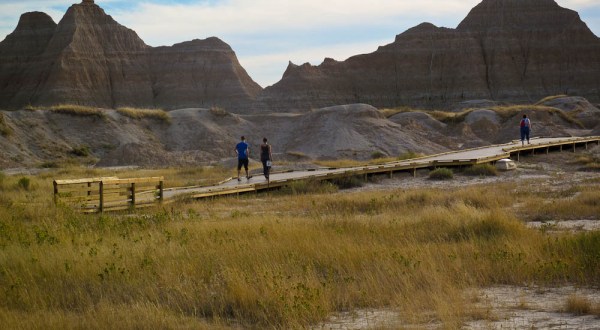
525 126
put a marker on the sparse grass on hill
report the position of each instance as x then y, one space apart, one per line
136 113
389 112
589 161
5 130
550 98
219 112
511 111
71 109
505 112
409 155
276 260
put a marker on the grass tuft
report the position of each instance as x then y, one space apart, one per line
309 187
136 113
81 151
219 112
5 130
550 98
441 174
589 161
578 305
481 170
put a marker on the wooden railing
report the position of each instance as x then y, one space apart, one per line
109 193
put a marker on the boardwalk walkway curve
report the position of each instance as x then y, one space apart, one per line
482 155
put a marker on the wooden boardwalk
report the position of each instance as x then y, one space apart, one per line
488 154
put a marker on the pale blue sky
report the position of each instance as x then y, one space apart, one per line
266 34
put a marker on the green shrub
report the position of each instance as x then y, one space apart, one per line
4 129
481 170
441 174
304 187
349 182
409 155
49 164
378 155
24 183
81 151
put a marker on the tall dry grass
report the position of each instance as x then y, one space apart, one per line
273 260
70 109
136 113
5 130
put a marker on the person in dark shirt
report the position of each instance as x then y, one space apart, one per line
243 153
266 157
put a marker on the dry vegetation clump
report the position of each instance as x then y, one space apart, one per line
441 173
389 112
513 110
578 305
481 170
136 113
71 109
5 130
589 161
272 260
409 155
568 204
339 163
505 112
550 98
219 112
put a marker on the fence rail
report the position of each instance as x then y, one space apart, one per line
92 195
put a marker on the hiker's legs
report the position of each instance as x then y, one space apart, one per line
265 169
246 168
239 168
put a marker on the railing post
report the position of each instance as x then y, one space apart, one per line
161 190
133 194
101 194
55 192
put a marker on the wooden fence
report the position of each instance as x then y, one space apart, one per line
109 193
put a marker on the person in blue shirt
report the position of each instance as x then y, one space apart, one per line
243 152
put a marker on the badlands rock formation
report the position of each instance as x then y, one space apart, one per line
201 136
509 50
90 59
504 50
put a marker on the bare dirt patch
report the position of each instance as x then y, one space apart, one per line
533 308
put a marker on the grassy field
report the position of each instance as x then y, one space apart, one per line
284 259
